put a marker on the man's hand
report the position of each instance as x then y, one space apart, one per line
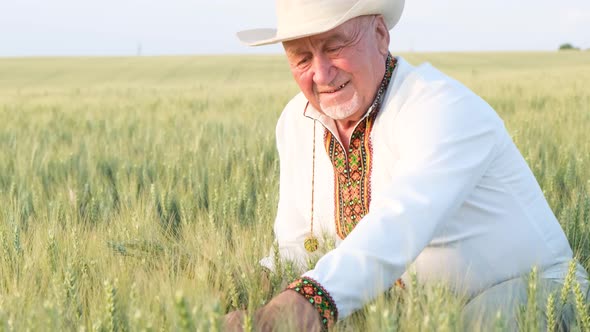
287 309
234 321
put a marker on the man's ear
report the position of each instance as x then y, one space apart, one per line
382 35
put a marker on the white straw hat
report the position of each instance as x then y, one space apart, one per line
302 18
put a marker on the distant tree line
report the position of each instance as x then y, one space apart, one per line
568 47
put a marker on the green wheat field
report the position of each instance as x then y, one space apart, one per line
139 193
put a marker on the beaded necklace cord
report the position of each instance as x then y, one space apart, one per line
311 242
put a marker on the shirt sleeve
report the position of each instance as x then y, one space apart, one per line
444 149
290 225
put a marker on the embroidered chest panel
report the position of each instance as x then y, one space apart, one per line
352 172
352 168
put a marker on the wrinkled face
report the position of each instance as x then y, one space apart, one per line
339 71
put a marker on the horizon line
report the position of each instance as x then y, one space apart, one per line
268 54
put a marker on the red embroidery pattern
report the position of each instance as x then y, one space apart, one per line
319 297
352 170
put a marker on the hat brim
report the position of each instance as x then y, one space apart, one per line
391 11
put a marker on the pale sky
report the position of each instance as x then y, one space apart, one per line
119 27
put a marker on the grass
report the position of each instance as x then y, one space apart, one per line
139 193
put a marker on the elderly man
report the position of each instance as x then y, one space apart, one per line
407 170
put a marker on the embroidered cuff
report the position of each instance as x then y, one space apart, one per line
319 297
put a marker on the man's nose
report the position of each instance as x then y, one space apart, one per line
324 71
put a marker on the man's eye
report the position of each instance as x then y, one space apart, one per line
335 49
302 62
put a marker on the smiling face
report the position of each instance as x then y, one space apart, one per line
339 71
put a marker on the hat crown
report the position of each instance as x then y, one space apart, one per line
293 13
302 18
